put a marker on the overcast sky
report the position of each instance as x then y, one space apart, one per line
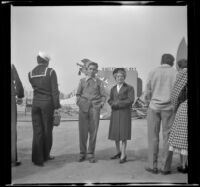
112 36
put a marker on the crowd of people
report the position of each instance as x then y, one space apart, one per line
165 94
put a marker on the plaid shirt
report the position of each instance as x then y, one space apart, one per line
179 92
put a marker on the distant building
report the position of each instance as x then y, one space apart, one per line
139 87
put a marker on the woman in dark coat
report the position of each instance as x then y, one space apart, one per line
121 100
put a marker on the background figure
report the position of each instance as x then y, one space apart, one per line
121 100
91 97
158 89
178 139
45 102
17 90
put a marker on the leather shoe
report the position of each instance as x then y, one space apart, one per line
17 163
92 160
116 156
82 158
182 170
50 158
165 172
154 170
123 160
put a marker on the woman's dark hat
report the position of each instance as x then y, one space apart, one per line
118 69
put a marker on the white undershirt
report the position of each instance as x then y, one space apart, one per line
118 87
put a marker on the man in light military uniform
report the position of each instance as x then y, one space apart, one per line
45 102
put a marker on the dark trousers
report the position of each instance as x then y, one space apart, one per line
42 120
13 130
88 124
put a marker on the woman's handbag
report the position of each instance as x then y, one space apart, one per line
56 118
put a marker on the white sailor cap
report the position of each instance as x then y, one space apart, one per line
44 56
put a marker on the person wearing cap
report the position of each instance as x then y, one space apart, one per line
17 93
91 97
121 99
45 103
160 111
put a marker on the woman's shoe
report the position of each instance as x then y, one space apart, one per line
51 157
182 170
17 163
92 160
121 161
116 156
82 158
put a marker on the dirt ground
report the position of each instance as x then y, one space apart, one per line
65 168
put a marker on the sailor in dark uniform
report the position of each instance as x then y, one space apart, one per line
45 102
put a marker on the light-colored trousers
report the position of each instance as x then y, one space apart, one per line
13 129
154 120
88 124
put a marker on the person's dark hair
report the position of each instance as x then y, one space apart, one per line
40 60
182 63
93 63
121 70
167 59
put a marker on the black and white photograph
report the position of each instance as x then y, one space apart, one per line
99 94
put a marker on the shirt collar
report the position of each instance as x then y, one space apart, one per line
120 85
165 66
42 65
88 77
124 84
